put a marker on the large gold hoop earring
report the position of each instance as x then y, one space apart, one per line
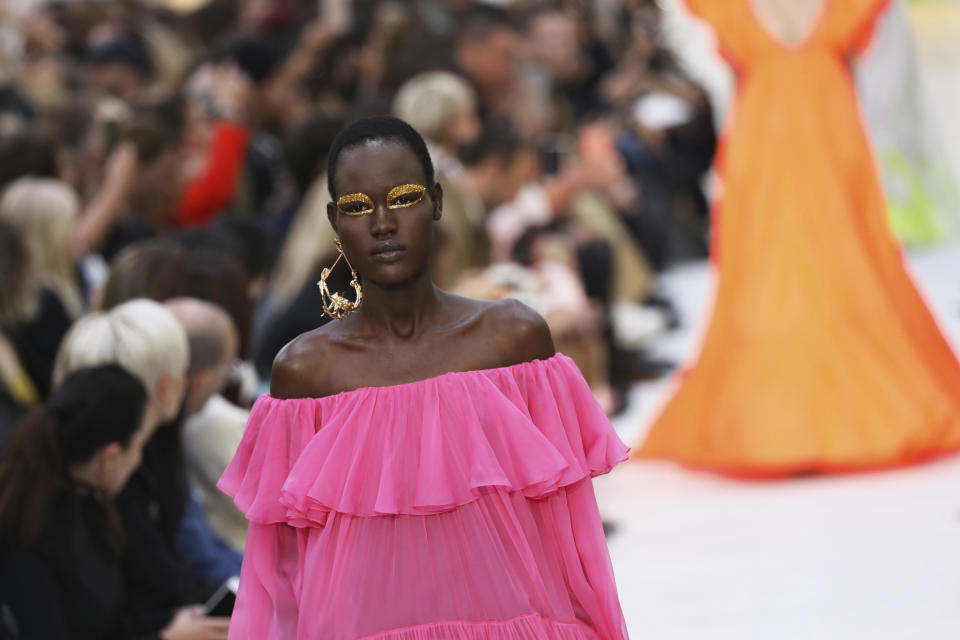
335 305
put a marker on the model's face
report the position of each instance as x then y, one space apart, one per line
384 212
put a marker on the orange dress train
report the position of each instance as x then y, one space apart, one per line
821 355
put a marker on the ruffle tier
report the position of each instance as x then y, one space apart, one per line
421 448
522 628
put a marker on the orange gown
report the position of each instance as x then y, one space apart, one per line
821 355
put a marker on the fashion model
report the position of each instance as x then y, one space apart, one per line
421 468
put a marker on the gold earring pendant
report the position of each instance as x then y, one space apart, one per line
335 305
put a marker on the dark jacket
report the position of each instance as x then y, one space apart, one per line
69 585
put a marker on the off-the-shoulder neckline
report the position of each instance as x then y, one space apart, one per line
449 374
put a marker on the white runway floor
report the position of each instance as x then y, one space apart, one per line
872 557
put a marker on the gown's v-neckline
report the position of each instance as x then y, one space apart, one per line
775 38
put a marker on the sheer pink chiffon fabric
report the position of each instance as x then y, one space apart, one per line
459 506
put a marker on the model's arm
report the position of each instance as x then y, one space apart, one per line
267 606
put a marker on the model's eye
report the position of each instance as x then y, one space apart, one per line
405 195
354 207
355 204
404 201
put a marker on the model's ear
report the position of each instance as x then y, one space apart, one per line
437 195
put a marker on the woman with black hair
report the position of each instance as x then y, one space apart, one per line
61 539
421 469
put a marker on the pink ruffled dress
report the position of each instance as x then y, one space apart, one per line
459 506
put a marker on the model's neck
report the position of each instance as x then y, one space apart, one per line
400 309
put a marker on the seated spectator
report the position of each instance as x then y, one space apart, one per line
44 211
61 541
17 390
164 268
213 426
146 339
153 187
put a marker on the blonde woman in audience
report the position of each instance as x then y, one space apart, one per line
43 212
146 339
142 337
18 392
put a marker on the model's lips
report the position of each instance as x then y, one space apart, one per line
388 252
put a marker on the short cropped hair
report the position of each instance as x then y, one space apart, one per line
378 128
142 336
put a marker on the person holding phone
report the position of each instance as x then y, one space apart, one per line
160 588
61 539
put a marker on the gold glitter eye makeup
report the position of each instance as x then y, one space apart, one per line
405 195
400 197
355 204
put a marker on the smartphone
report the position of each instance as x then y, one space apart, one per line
220 604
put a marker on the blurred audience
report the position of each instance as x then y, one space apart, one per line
175 152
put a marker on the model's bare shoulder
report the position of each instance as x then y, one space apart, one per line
298 370
518 332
